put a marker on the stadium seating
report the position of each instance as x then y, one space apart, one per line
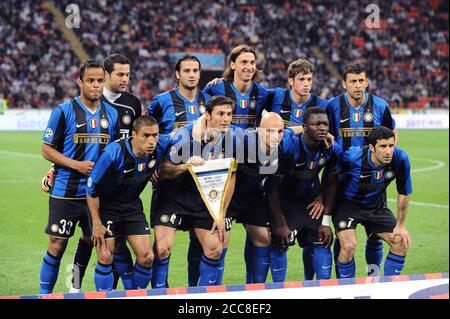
407 56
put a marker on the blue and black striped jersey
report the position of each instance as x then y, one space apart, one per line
119 176
172 110
291 112
249 107
301 170
351 126
364 183
79 134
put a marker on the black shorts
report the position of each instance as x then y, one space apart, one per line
64 214
253 212
124 219
377 218
168 219
297 218
185 222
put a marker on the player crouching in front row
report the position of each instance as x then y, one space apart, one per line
113 188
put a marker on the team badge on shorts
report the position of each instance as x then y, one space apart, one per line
104 123
48 132
54 228
342 224
389 174
152 163
89 182
164 218
368 117
126 119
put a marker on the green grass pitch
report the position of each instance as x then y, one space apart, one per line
24 211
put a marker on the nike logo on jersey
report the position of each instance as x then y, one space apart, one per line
283 111
80 125
298 165
363 176
342 121
127 170
179 113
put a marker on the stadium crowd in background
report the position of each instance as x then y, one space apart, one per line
404 67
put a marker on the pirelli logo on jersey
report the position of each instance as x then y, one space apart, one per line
351 132
243 119
91 138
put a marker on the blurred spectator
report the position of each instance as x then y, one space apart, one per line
406 58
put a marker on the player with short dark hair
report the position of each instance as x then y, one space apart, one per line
352 116
297 199
291 103
183 104
117 79
77 132
117 179
180 205
369 171
174 109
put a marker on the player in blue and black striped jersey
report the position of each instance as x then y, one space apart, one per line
263 150
251 98
292 103
352 116
128 106
77 132
180 205
297 198
240 84
178 107
183 104
368 172
113 188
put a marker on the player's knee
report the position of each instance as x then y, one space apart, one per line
105 256
348 247
57 246
163 249
146 259
262 239
397 246
214 252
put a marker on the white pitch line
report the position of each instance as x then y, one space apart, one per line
421 203
21 154
438 165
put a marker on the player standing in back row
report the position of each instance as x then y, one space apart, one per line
352 116
77 133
